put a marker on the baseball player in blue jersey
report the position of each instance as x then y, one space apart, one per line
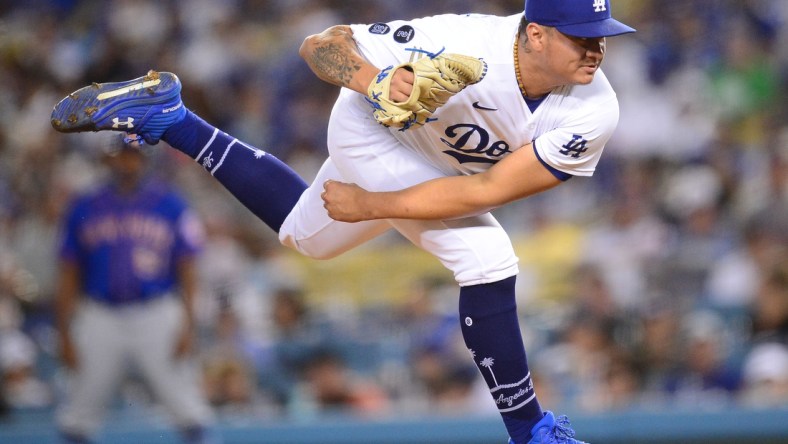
125 298
439 120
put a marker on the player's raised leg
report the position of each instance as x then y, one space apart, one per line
151 107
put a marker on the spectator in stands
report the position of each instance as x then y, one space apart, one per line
705 377
330 387
766 376
769 310
228 376
296 335
21 386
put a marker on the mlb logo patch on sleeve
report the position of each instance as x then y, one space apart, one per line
404 34
379 28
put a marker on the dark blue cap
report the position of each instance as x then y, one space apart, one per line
578 18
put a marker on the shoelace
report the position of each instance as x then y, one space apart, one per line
562 432
135 138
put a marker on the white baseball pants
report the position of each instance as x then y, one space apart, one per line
108 340
476 249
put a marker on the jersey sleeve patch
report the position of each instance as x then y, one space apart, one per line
575 145
379 28
404 34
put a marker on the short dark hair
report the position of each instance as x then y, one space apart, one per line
523 23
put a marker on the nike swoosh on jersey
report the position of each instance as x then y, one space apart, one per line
483 108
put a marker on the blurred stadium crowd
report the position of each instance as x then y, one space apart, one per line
661 282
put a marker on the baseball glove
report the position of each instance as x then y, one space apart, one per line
436 80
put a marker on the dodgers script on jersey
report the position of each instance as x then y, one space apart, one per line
489 120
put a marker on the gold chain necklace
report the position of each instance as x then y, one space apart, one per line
517 67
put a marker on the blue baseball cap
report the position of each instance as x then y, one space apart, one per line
578 18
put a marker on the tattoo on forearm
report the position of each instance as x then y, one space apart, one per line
335 63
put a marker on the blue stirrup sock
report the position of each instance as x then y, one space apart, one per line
490 328
260 181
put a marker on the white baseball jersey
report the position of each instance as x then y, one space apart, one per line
490 119
475 129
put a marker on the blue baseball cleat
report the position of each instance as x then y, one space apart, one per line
552 430
146 106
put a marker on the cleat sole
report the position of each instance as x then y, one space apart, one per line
86 109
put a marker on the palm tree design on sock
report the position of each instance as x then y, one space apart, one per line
488 363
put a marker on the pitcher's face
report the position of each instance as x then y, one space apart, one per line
574 60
